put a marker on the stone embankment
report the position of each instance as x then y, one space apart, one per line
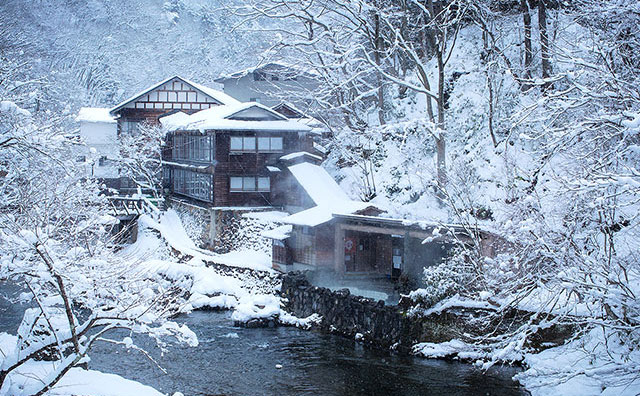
387 326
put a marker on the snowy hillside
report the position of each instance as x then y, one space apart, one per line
518 122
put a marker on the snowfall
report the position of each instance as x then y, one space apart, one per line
249 299
158 244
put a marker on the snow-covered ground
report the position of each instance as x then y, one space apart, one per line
156 254
76 382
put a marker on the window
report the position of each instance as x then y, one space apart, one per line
249 184
257 100
270 144
102 161
246 143
130 127
236 143
195 148
264 184
82 158
192 184
259 76
276 144
235 184
249 143
274 77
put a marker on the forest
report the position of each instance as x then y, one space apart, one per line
517 117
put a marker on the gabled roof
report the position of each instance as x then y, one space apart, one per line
239 116
221 97
267 66
95 114
285 108
324 192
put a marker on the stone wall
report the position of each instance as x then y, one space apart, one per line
386 326
223 230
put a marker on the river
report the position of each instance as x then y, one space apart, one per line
239 361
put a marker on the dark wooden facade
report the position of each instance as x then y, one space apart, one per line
227 164
168 96
367 244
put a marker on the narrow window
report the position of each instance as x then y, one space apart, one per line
264 184
259 76
235 184
276 144
249 143
249 183
236 143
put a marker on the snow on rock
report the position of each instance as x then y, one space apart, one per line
76 382
260 306
448 349
303 323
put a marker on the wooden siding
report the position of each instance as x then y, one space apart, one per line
250 164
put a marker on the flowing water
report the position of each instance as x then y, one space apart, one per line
238 361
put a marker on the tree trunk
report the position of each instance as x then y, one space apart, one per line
528 53
544 42
378 48
440 135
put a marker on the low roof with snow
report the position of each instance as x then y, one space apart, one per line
249 116
218 96
95 114
325 193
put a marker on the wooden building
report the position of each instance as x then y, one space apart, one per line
228 156
270 82
101 128
351 238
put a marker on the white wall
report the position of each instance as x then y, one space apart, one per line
101 140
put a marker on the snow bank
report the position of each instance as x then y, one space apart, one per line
449 349
171 228
592 365
76 382
7 106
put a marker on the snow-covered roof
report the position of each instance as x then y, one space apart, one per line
300 154
95 114
273 169
219 96
249 116
280 233
171 120
317 182
274 65
325 193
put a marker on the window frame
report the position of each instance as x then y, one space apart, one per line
256 144
246 181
